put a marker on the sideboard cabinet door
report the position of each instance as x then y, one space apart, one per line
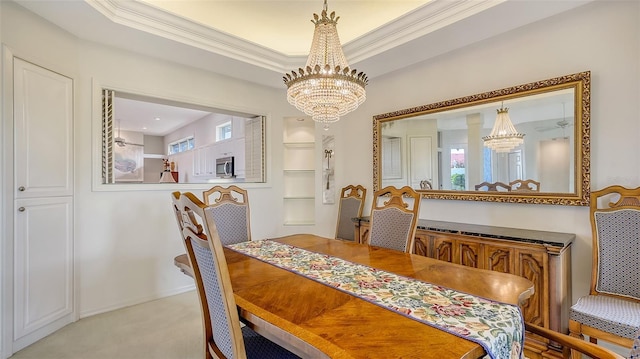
534 266
443 248
469 253
422 245
500 259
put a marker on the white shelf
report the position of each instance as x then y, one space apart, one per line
299 172
299 158
153 155
299 144
299 223
299 210
299 183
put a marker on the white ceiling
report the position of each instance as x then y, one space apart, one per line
285 26
260 40
151 118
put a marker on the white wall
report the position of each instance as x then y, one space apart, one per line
126 239
59 52
603 37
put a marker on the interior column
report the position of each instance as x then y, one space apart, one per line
474 158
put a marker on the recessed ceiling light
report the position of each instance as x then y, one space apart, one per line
157 118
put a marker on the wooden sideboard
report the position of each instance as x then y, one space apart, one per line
542 257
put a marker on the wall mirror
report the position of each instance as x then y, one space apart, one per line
151 140
439 149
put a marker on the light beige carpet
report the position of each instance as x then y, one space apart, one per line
168 328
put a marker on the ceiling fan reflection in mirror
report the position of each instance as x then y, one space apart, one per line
120 141
562 124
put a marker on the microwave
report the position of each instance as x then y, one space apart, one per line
225 167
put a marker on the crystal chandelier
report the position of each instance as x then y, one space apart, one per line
326 88
503 137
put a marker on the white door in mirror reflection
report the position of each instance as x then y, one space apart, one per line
421 162
508 167
391 159
515 165
555 170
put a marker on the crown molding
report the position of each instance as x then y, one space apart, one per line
144 17
437 27
426 19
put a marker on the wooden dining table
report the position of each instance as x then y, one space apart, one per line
315 320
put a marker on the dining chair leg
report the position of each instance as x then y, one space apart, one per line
575 331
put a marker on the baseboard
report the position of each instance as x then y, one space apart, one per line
139 300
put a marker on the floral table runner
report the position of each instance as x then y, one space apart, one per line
498 327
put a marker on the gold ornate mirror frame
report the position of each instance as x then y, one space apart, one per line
579 85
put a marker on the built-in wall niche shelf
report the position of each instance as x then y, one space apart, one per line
299 211
299 171
299 155
154 156
299 184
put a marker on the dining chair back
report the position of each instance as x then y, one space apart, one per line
394 216
493 187
527 185
351 206
611 311
570 344
230 209
223 335
182 261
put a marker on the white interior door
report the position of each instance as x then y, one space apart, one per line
43 271
515 165
507 166
43 132
421 158
43 285
554 170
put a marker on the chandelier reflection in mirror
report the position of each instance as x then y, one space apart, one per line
504 137
326 88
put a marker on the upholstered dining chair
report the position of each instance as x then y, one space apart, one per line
182 261
394 217
351 206
571 344
230 209
611 311
527 185
224 337
491 187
